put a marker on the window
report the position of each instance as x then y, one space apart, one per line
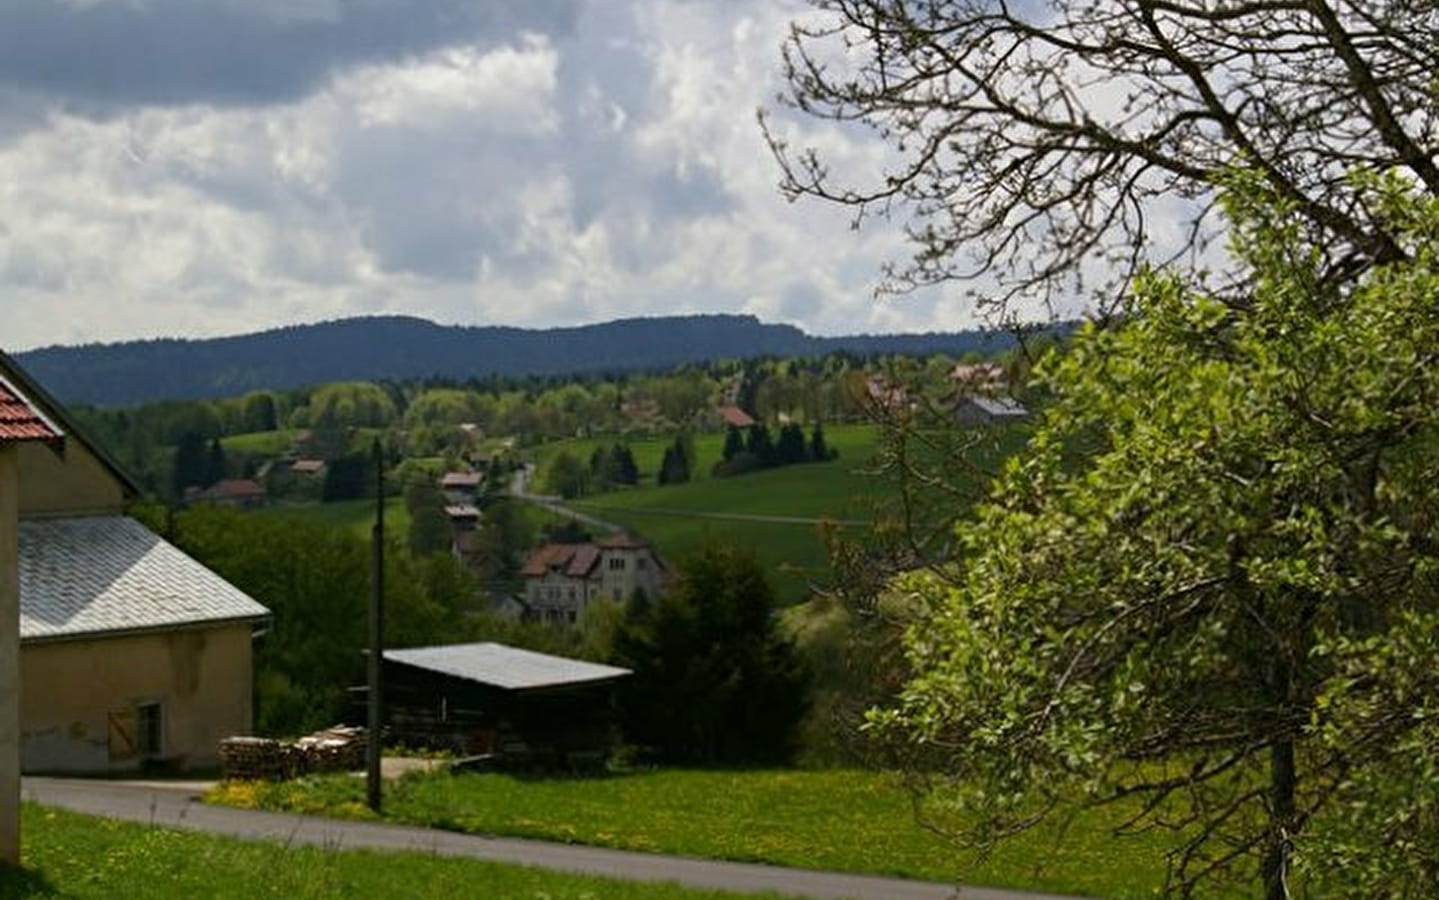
149 729
640 563
617 562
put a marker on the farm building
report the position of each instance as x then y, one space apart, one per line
474 699
981 410
131 652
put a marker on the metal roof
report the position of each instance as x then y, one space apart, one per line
1000 406
101 574
502 666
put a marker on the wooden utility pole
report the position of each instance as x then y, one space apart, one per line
375 719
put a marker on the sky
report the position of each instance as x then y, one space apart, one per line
194 168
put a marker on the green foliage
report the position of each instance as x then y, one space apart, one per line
1210 579
567 476
713 679
316 581
429 530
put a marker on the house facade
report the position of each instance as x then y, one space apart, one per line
131 652
562 580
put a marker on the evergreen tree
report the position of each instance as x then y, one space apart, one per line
192 465
819 451
791 446
733 443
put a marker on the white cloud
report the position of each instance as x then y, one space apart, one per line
534 179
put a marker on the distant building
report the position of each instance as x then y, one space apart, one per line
562 580
312 468
734 416
462 488
979 378
982 410
240 493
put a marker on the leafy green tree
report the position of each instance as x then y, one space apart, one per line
714 681
567 476
429 530
1209 582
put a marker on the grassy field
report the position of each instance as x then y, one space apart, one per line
682 519
840 820
83 858
356 516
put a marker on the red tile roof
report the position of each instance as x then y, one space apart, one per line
20 420
733 415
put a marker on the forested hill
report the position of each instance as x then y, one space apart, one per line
397 347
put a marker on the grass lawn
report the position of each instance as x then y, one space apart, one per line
839 820
261 443
79 857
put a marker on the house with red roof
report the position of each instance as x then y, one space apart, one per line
563 580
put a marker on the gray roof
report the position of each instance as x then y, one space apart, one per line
93 575
503 666
1000 407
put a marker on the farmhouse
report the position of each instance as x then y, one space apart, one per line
491 698
561 580
131 652
981 410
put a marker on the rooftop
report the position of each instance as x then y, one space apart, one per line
502 666
21 420
93 575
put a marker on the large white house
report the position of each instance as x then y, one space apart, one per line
562 580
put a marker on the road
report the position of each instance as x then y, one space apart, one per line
177 805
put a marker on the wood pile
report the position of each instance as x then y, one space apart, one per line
338 749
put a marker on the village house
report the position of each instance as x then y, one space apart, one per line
979 378
562 580
131 652
982 410
236 493
734 416
461 488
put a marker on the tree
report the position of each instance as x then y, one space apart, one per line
733 443
567 476
713 679
1209 582
429 530
192 463
790 448
1032 143
819 449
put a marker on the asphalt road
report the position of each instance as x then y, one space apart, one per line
177 805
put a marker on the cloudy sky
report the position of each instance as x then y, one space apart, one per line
207 167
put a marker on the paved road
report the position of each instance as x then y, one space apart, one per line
176 805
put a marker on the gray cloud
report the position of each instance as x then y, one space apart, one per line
96 57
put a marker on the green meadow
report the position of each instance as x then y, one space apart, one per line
77 857
840 820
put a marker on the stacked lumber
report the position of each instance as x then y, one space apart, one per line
337 749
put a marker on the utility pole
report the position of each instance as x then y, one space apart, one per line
377 638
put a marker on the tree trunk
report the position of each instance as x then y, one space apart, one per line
1282 780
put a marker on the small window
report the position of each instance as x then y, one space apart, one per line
149 729
640 563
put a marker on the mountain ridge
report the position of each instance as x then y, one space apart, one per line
399 347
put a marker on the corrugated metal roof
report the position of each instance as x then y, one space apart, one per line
81 576
1000 406
21 420
503 666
